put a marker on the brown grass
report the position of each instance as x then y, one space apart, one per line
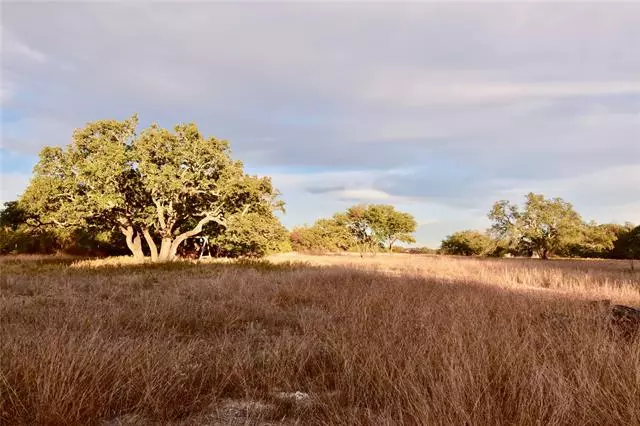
384 340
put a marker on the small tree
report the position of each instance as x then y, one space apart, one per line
628 245
390 226
543 225
378 225
467 243
324 235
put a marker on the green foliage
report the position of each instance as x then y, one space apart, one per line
595 241
12 216
361 228
421 250
250 235
625 243
356 221
165 186
628 244
378 226
91 179
543 226
21 240
467 243
389 226
325 235
17 237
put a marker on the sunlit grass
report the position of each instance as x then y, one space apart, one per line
374 340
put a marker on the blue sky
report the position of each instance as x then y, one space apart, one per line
440 109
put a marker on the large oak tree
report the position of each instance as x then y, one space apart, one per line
160 186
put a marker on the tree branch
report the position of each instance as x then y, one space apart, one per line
215 217
153 248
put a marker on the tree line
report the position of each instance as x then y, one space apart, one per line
544 227
116 190
362 228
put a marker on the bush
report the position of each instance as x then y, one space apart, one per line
467 243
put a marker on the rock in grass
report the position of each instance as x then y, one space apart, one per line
625 319
622 319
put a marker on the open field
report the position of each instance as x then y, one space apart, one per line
376 340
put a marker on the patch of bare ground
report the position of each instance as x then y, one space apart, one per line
439 341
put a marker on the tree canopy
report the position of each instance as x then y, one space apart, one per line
164 186
543 225
389 226
324 235
249 235
467 243
361 227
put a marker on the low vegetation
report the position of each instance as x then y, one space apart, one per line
390 339
363 228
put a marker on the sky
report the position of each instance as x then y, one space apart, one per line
440 109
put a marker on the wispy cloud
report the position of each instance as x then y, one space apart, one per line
419 90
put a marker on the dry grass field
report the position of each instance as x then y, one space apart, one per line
384 340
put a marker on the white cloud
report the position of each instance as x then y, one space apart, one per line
406 90
362 195
16 49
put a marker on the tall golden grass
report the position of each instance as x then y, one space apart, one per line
380 340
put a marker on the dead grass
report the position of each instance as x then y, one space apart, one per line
580 278
384 340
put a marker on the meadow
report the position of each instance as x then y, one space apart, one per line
295 339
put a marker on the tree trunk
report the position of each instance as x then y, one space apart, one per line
169 246
166 254
133 241
153 248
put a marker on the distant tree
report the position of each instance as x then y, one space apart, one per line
628 245
356 221
594 241
543 225
421 250
303 238
621 244
378 225
162 186
634 245
467 243
389 225
324 235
